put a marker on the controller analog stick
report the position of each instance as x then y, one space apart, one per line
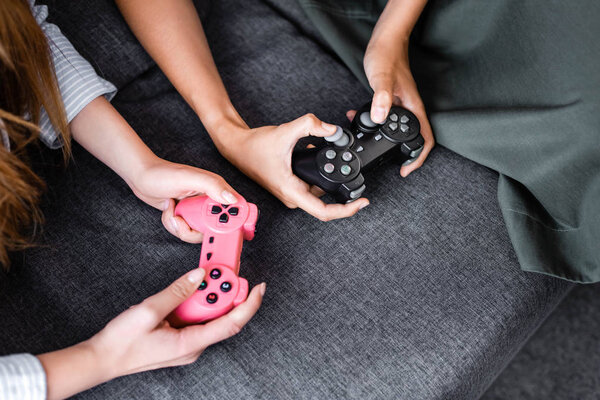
365 119
339 138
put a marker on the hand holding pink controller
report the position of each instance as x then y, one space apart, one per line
225 227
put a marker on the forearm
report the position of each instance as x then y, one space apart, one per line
171 32
397 20
72 370
101 130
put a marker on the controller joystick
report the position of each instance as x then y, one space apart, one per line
337 166
225 227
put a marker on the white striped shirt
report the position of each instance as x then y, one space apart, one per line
22 376
78 82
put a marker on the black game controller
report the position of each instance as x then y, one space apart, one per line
337 166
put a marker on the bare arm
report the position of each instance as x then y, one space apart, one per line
171 32
387 69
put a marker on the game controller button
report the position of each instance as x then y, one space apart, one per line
393 126
225 287
403 127
378 138
234 211
404 119
215 273
365 119
215 210
360 135
415 153
212 298
329 168
225 206
347 156
393 117
345 169
330 154
355 194
359 149
202 285
223 218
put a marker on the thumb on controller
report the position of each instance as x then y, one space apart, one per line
165 301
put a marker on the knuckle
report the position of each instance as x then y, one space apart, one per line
145 314
234 328
179 289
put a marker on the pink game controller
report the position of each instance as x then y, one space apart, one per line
225 227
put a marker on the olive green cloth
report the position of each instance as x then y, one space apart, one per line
513 85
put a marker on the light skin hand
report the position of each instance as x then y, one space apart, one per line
265 155
140 339
105 134
172 34
387 69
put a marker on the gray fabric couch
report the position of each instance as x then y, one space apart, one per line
419 296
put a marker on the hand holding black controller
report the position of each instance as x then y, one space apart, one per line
337 166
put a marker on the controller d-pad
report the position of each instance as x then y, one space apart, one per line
212 298
225 206
393 117
215 210
223 218
215 273
393 126
403 127
234 211
404 119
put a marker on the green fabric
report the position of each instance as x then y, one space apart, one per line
513 85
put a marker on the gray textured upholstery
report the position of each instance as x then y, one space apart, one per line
419 296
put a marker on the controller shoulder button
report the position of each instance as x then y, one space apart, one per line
355 194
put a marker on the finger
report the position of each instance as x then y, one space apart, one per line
308 125
383 87
167 218
414 102
210 184
229 324
317 191
326 212
165 301
350 114
185 233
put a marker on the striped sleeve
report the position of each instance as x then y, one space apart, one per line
22 377
77 80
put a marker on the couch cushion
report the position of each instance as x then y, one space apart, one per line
418 296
